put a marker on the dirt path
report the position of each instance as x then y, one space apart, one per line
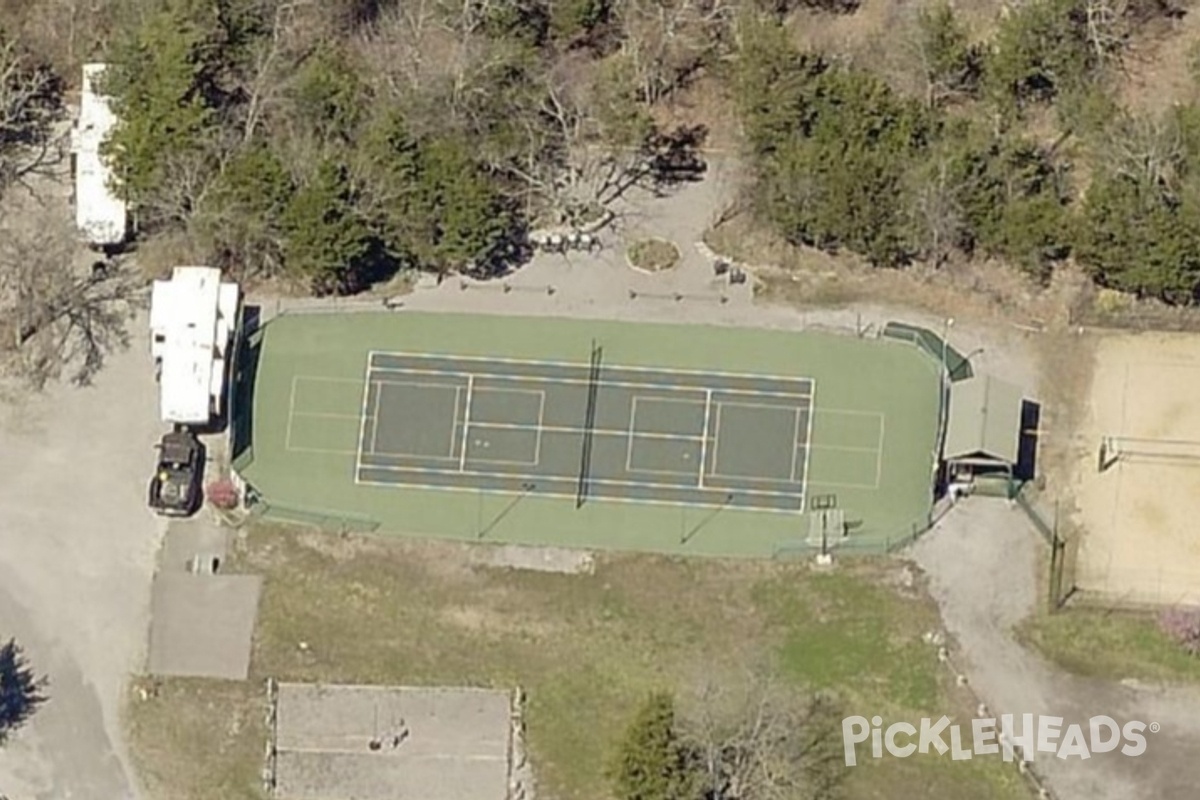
982 562
77 549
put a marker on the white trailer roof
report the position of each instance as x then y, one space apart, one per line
99 213
192 317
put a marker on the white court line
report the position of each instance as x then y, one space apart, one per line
839 485
633 434
509 426
536 478
466 433
474 490
454 419
632 428
520 463
375 418
714 473
560 381
553 381
808 442
704 441
689 473
879 454
415 384
409 385
716 441
323 379
849 412
322 451
845 448
362 429
581 365
752 478
796 442
537 441
287 442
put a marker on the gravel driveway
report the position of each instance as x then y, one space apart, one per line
77 548
982 562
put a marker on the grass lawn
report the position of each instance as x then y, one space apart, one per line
1110 644
587 649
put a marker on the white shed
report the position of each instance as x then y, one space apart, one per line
100 213
192 321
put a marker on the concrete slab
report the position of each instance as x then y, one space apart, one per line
201 625
188 538
381 742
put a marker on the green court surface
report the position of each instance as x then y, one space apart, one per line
587 434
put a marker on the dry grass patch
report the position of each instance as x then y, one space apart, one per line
587 649
653 255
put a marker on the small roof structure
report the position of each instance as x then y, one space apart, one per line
192 318
984 424
100 214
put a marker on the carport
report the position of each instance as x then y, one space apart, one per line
983 436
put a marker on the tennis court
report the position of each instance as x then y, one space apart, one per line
589 434
585 431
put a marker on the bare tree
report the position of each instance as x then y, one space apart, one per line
939 224
58 318
30 104
1147 149
268 70
668 41
763 742
600 142
1107 28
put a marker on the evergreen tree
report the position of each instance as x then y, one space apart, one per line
651 761
328 241
21 691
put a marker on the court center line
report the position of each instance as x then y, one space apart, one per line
287 442
454 420
420 384
704 439
879 453
846 448
323 451
466 434
323 379
537 437
509 426
630 432
716 440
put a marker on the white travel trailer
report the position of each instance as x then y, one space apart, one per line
100 213
193 317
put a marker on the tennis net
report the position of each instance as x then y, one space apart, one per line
589 425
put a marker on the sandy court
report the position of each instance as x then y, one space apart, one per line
1141 543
